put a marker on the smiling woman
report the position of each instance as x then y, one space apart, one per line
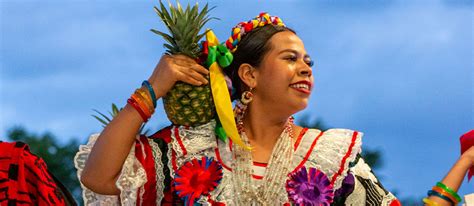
272 79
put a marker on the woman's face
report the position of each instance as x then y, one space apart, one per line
285 77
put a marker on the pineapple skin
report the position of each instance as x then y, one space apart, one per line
189 105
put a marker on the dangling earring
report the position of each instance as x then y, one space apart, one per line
247 97
241 107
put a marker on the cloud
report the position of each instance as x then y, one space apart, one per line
399 72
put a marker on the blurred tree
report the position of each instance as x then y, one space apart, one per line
58 157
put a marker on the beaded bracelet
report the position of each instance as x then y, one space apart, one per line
151 91
449 190
437 194
430 202
135 105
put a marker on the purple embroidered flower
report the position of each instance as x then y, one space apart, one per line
309 188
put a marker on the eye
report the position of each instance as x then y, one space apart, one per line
291 58
309 62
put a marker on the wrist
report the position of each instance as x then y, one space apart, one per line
156 89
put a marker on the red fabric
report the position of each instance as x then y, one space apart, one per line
24 178
395 203
164 134
300 136
180 142
344 159
214 203
467 141
260 164
308 153
148 162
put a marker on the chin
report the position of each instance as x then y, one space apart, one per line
301 106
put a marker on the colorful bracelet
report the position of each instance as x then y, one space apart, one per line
430 202
437 194
132 102
146 99
449 190
142 105
443 192
151 91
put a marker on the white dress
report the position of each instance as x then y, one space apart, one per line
336 152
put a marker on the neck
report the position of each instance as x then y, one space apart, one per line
263 126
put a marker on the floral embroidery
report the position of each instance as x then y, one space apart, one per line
309 187
196 178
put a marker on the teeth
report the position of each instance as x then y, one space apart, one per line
303 86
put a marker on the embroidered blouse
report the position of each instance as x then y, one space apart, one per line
150 167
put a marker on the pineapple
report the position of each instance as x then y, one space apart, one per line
186 104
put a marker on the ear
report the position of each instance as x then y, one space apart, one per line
248 75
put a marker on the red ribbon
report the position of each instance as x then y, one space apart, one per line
467 141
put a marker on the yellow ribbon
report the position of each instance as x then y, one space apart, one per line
221 96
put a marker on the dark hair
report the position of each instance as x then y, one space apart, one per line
251 49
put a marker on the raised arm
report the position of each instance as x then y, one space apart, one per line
455 176
115 141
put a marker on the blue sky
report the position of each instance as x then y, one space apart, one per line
401 72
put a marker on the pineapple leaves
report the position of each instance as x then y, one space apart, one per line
104 120
184 25
115 111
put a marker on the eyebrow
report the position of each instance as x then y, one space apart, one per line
293 51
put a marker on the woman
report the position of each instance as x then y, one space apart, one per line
272 76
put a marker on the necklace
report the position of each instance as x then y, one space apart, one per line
247 190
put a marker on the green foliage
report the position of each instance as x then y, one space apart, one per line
105 120
306 121
373 157
58 157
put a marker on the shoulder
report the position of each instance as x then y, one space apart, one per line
337 139
331 151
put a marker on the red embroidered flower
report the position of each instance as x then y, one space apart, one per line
196 178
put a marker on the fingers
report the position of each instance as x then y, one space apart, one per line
191 76
185 69
200 69
190 70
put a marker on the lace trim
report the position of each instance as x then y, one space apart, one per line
329 151
193 143
363 170
131 178
197 141
160 176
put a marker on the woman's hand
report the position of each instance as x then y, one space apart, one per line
174 68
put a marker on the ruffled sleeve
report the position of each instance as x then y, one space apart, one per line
367 189
131 179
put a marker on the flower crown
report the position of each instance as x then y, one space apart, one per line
246 27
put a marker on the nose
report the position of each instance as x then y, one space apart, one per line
305 70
